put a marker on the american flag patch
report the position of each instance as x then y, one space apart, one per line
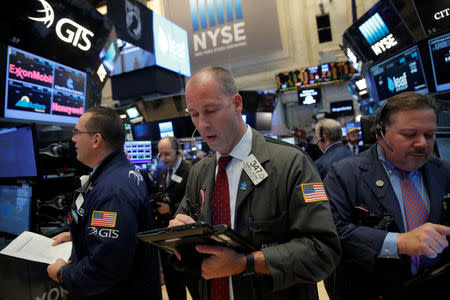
313 192
104 218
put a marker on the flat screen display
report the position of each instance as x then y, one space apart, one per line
440 58
132 58
400 73
17 156
308 96
341 108
380 32
42 90
15 208
171 46
133 112
166 129
139 151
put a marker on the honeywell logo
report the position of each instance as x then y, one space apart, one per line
22 74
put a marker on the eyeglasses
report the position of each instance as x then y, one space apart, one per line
76 132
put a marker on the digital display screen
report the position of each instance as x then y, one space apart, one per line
400 73
17 156
132 58
380 32
315 75
341 108
440 58
42 90
308 96
433 15
15 208
139 151
133 112
166 129
171 46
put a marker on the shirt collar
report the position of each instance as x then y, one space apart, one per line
175 167
243 148
390 167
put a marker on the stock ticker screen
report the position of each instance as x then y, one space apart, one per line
315 75
400 73
440 57
42 90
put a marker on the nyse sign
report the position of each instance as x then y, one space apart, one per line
384 44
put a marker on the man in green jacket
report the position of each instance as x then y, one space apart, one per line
270 193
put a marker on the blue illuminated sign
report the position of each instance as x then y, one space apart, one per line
374 29
204 12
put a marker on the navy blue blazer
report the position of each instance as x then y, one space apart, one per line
335 153
362 181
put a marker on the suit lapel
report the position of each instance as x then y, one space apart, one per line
376 179
433 180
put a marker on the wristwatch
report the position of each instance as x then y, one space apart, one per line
59 274
250 265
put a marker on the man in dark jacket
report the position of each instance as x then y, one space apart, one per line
107 261
391 209
172 183
329 134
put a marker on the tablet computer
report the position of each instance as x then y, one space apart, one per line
189 235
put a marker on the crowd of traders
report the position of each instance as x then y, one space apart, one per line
376 228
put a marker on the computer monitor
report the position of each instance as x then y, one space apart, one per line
15 208
443 146
440 59
39 89
139 151
18 153
166 129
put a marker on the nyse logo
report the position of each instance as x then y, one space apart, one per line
398 84
384 44
66 29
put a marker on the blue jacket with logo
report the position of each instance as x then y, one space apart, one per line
107 260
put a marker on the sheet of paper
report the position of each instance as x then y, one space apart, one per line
36 247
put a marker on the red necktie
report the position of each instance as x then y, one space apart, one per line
415 210
221 215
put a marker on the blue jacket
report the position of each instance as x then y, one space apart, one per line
362 182
108 262
334 153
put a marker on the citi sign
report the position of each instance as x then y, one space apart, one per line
66 29
207 14
377 34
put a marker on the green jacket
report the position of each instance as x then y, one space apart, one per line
298 239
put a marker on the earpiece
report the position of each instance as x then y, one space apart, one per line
380 129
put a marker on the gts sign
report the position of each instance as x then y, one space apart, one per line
66 29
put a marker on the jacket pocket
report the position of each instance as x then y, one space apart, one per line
266 233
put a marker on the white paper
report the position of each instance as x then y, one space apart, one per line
36 247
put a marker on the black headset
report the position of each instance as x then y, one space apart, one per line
380 129
321 139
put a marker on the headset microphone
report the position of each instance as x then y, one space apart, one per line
380 129
192 137
384 139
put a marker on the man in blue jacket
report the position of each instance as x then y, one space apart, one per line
107 261
329 135
390 206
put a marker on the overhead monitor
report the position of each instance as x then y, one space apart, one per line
434 15
139 151
15 208
342 108
39 89
380 32
133 112
18 153
440 58
166 129
400 73
309 96
132 58
171 46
